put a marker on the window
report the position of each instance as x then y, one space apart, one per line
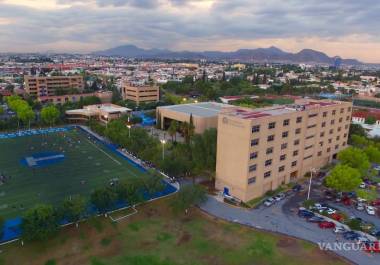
328 150
349 109
295 153
337 146
286 122
340 120
322 134
296 142
345 135
339 129
341 110
267 174
333 112
308 147
255 142
346 126
323 124
311 126
325 114
285 134
252 168
294 163
313 115
269 150
337 138
251 180
270 138
272 125
253 155
281 169
284 146
330 141
332 122
282 157
268 162
255 128
299 119
331 131
310 136
321 143
347 118
319 153
308 157
344 144
298 130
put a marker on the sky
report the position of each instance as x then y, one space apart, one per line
348 28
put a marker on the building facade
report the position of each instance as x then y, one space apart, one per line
140 93
101 112
104 96
40 86
259 150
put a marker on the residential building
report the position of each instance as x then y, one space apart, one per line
104 96
39 86
139 93
260 149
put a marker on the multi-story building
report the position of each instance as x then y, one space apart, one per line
140 93
260 149
40 86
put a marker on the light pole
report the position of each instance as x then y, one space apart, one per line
106 117
163 148
129 131
311 177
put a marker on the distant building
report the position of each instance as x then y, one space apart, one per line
260 149
205 115
139 93
102 112
40 86
104 96
228 99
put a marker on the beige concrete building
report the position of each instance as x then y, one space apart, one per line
39 86
205 115
104 96
102 112
260 149
140 93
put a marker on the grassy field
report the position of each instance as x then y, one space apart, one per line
87 165
155 236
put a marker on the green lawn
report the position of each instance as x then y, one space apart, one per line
87 165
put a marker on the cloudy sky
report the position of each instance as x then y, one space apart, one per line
349 28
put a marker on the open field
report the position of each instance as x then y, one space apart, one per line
47 168
155 236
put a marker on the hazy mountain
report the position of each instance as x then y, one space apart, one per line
271 54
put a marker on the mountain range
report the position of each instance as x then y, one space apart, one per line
271 54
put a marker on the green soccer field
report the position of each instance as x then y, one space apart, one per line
87 165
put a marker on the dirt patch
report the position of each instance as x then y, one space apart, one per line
185 237
286 242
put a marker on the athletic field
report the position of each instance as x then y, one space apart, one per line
46 168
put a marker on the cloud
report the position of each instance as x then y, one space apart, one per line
84 25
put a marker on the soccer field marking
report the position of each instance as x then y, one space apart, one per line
97 147
31 161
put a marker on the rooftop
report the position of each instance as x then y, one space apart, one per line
93 109
203 109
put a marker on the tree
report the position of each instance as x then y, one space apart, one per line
359 141
172 130
203 149
25 114
370 120
39 223
188 196
355 158
357 129
153 182
73 208
50 115
103 199
344 178
373 154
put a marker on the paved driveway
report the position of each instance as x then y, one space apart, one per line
280 218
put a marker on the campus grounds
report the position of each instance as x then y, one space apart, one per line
50 166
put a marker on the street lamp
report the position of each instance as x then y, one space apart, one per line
106 117
163 148
129 130
311 177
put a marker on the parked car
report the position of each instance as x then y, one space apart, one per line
337 217
316 219
360 206
326 225
376 233
330 211
370 210
279 197
305 213
339 230
361 240
372 247
376 202
363 185
350 235
377 168
268 202
346 201
361 199
297 188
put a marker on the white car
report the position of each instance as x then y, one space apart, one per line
361 199
362 185
376 168
339 229
268 202
331 211
360 206
370 210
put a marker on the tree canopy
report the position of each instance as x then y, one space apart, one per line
355 158
344 178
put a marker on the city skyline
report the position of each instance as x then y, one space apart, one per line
344 28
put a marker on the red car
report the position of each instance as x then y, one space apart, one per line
326 225
373 247
376 202
337 217
347 201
